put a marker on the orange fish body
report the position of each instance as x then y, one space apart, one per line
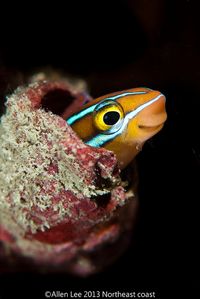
121 121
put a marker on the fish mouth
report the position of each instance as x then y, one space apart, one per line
152 118
151 128
154 124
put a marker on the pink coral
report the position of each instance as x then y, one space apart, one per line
60 199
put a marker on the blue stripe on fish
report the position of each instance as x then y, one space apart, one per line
75 117
101 139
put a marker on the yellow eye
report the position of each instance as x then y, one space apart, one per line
108 116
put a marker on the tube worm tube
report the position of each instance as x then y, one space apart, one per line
62 203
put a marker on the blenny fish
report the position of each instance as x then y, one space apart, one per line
121 121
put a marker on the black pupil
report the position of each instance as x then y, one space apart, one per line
111 118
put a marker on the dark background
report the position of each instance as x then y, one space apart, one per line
116 45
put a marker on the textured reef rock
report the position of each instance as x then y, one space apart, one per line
62 203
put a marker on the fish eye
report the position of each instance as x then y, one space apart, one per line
108 116
111 117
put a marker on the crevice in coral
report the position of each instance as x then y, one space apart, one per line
102 200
